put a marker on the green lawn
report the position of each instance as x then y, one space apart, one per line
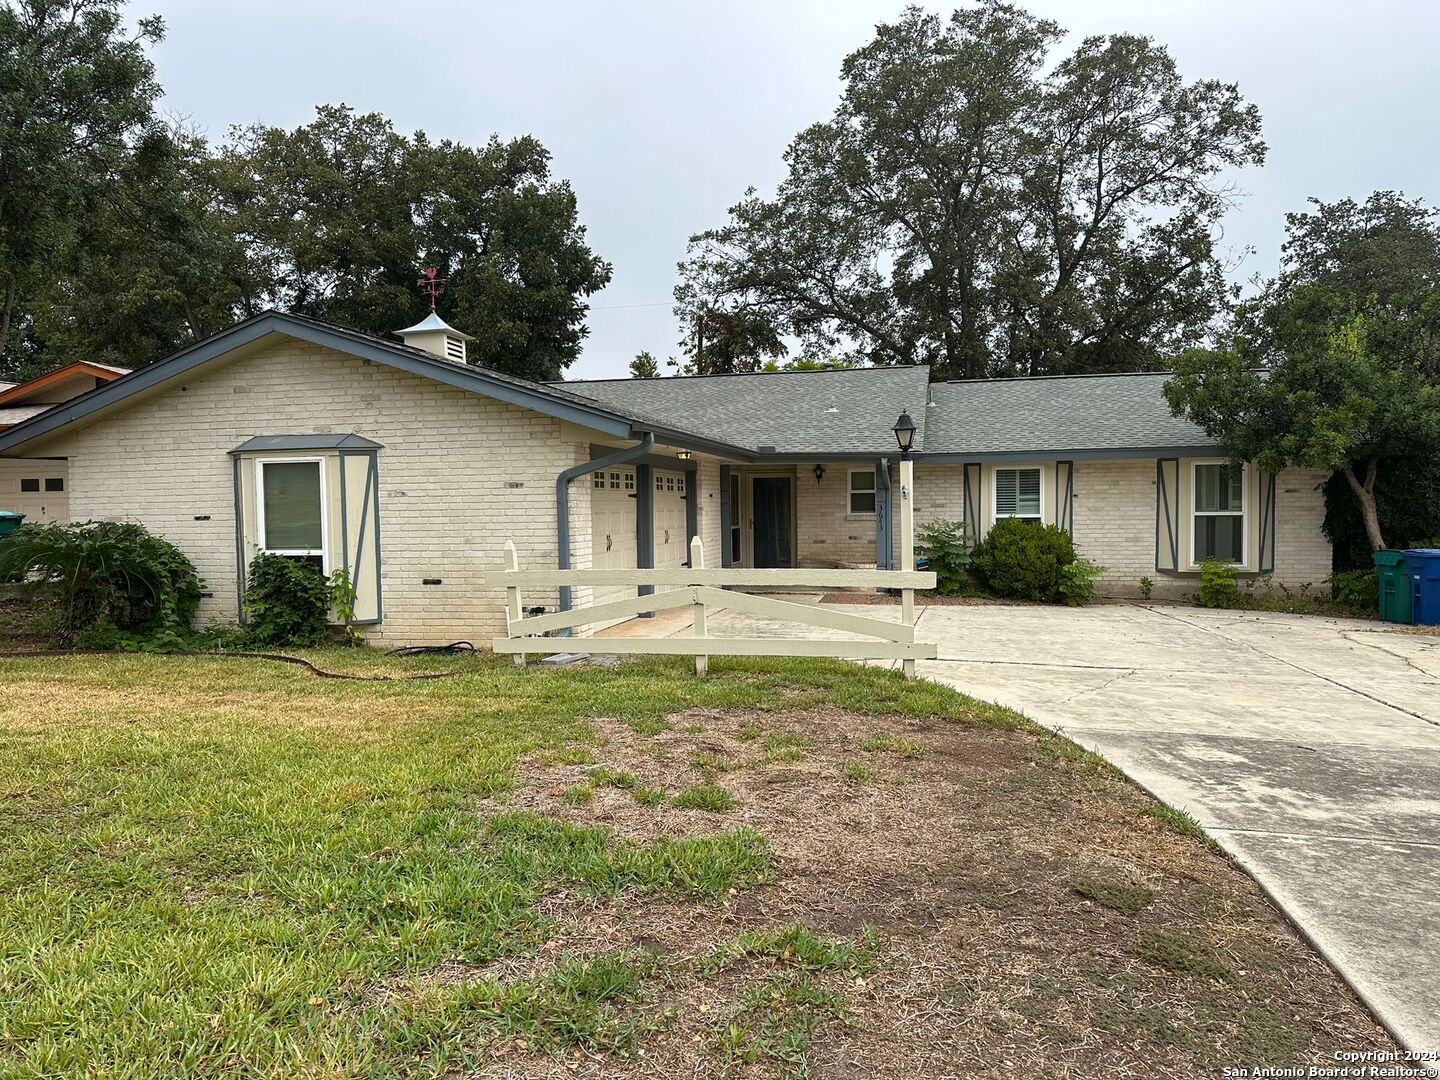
212 864
232 867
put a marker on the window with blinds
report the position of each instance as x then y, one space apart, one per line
1017 494
292 507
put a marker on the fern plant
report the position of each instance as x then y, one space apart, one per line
943 544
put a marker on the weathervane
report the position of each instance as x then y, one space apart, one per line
431 285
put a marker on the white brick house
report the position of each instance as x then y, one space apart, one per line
409 469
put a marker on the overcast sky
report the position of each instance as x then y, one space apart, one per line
661 113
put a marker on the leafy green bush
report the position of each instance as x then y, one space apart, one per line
1219 585
1356 590
1077 582
1024 559
287 601
114 582
943 544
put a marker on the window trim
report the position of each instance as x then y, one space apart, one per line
324 552
850 492
1244 563
1039 470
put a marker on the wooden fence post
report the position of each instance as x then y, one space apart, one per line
513 611
697 562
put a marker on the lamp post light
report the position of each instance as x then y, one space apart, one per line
905 436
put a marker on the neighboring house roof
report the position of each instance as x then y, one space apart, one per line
1057 415
803 413
20 401
11 415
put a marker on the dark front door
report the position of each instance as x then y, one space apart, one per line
771 501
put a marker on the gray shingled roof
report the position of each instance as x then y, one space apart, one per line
797 412
1061 413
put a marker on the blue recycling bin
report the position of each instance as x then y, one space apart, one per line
1422 565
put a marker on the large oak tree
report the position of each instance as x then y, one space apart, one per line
977 205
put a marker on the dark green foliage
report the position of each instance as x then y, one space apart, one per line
644 366
332 219
76 91
1356 590
1025 560
338 215
287 601
981 204
1407 502
1077 582
1219 585
114 582
1335 365
943 543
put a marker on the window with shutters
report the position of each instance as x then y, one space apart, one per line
1218 513
862 491
1017 494
290 509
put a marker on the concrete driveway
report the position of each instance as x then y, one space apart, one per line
1308 747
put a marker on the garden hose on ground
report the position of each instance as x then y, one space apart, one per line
451 649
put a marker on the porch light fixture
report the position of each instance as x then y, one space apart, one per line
819 472
683 455
904 434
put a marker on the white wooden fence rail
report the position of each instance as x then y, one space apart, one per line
701 589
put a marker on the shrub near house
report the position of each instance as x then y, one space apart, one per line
115 583
1030 561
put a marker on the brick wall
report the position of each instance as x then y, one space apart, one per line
1114 509
459 475
829 535
1302 554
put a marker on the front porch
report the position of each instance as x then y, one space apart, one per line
833 514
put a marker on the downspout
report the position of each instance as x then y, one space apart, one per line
562 499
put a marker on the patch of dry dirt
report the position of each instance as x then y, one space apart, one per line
965 860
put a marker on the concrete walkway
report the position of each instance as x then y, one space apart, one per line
1308 747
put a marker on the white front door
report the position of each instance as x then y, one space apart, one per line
612 527
672 546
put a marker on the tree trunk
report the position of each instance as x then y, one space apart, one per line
6 311
1365 493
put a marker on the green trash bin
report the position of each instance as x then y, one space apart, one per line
1395 587
9 521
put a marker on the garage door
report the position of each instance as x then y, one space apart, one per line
671 544
612 523
35 487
